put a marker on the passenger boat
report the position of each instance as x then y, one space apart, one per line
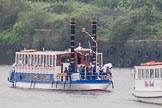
72 69
148 82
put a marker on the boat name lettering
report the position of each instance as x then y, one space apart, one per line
149 83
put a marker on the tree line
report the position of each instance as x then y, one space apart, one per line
118 20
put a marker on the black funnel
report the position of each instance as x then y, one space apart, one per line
72 44
94 32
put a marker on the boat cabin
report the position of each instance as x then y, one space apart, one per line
33 61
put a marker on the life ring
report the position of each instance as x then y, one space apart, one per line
122 52
157 52
120 63
139 52
130 61
148 54
106 51
112 50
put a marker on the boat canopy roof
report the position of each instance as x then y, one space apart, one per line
35 52
46 52
151 63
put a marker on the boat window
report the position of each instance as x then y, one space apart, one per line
38 77
26 77
151 73
29 61
20 59
50 60
36 59
143 73
26 59
147 73
32 57
44 60
157 73
139 73
79 58
39 60
47 77
53 60
58 59
47 60
43 77
35 77
31 76
161 72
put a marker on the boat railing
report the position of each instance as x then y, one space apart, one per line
95 75
84 76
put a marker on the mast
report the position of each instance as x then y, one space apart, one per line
72 44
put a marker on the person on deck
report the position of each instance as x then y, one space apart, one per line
100 69
66 71
82 72
109 74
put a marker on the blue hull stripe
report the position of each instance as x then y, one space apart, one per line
69 82
29 78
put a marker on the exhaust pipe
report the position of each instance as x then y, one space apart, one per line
94 32
72 44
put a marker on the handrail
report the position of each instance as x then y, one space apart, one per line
85 77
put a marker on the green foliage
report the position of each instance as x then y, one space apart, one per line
9 11
19 28
9 38
118 20
59 8
141 23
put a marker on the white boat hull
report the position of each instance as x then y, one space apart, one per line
62 86
154 97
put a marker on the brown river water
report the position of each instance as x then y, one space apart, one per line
119 97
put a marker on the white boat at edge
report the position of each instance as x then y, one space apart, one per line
148 82
154 97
